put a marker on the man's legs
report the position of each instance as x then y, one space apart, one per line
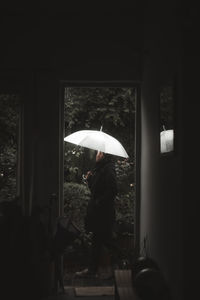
94 256
102 255
100 258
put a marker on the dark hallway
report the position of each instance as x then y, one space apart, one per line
150 45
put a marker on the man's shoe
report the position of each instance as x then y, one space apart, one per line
84 272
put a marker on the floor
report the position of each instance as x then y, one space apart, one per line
71 282
70 295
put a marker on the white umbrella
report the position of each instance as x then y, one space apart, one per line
97 140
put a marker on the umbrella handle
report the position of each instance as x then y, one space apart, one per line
84 179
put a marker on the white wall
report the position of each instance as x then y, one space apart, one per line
161 203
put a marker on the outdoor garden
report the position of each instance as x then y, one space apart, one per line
90 108
9 128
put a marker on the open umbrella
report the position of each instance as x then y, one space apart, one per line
97 140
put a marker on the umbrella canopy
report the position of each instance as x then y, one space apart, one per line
97 140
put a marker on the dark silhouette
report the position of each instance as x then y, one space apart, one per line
100 216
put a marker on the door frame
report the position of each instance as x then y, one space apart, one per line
106 83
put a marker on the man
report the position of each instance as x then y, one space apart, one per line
100 216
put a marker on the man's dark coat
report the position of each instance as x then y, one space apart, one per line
101 207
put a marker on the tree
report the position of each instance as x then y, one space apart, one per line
89 108
114 108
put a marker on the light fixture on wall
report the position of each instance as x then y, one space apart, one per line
166 140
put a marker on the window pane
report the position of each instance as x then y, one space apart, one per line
9 126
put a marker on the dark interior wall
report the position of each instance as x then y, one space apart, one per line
41 49
47 46
161 177
46 175
191 225
64 38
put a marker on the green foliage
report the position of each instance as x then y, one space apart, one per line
76 198
125 172
72 162
9 117
126 191
114 108
9 121
78 161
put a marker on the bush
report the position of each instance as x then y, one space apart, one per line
76 197
126 191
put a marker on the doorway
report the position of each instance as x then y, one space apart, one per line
112 106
